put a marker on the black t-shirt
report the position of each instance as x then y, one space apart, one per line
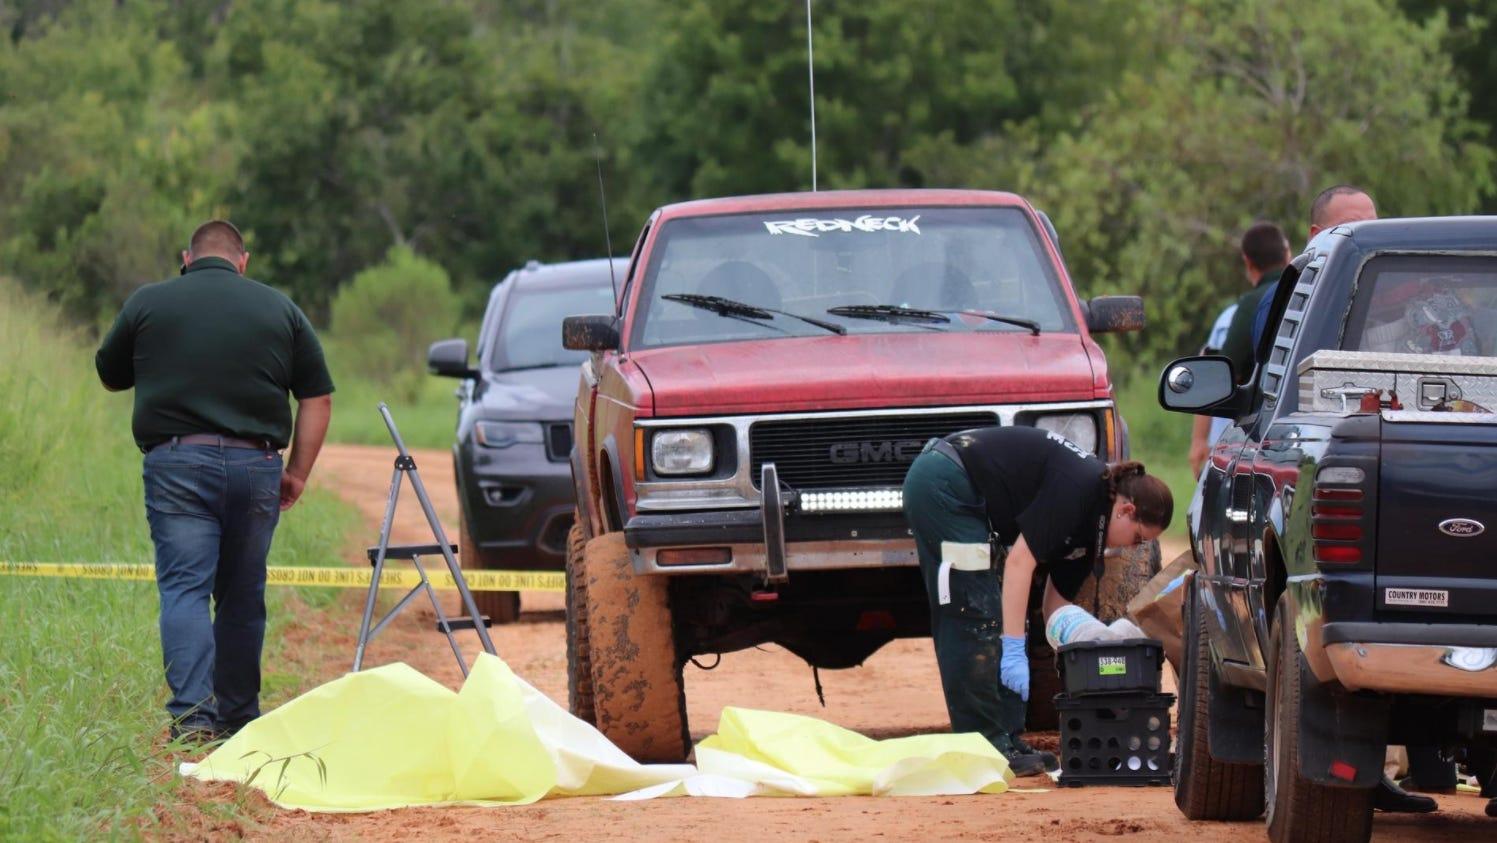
1039 485
212 352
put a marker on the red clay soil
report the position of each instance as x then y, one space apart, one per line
896 692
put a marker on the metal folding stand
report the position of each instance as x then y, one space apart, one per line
405 465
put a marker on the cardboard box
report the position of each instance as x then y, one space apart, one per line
1157 608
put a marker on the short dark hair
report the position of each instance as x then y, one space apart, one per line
1265 246
216 237
1323 199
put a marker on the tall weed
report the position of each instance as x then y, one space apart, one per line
81 688
1158 438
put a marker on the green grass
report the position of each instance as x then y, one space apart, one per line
81 687
1158 438
422 405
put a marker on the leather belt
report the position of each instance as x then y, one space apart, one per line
949 451
216 439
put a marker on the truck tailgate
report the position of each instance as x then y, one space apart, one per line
1437 518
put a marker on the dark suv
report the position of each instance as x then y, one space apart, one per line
514 424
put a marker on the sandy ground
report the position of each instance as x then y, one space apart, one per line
896 692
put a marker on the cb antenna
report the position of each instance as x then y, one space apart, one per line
607 238
811 76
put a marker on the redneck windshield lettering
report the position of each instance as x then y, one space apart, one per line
866 222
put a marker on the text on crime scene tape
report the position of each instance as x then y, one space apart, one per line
309 577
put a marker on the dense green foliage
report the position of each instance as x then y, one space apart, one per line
464 131
385 318
82 748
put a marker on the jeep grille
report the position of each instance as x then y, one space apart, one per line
833 452
559 441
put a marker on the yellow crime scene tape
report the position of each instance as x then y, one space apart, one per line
313 577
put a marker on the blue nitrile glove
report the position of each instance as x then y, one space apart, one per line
1013 670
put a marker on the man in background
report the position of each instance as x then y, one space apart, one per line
212 357
1336 205
1205 430
1265 253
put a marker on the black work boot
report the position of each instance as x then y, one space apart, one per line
1027 763
1393 799
1051 763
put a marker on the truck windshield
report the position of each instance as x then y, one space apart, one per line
841 265
529 332
1426 304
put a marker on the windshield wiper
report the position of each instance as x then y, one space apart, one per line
889 313
730 307
1030 324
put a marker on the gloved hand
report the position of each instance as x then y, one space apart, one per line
1013 669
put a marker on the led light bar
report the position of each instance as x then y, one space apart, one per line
889 499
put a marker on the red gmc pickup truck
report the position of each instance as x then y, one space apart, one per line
746 418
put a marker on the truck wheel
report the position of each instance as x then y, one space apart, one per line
501 606
1122 580
1207 789
1044 683
579 667
639 698
1299 809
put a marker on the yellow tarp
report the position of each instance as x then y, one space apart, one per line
390 737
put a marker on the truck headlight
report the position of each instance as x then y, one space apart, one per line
684 451
504 434
1080 428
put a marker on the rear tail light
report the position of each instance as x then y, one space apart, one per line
1343 771
1336 515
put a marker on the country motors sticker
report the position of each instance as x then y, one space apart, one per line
867 223
1416 597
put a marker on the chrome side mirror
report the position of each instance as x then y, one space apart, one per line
1191 384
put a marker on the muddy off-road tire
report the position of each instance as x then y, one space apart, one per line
1207 789
639 698
579 666
501 606
1298 809
1122 579
1044 683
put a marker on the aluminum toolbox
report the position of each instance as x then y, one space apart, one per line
1334 381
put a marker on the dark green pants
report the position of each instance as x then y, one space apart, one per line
941 505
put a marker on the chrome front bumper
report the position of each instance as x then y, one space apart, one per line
1413 658
799 556
757 541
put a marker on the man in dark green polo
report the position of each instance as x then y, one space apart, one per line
1265 253
212 357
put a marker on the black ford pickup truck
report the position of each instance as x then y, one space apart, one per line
1346 531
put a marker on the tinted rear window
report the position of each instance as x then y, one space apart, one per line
1426 304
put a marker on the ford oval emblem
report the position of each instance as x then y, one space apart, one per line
1461 527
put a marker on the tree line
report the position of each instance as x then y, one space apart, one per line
466 132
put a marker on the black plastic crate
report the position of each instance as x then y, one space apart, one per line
1110 667
1119 739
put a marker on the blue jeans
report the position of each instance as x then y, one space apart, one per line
212 513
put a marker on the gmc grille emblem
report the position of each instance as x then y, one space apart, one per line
899 450
1461 527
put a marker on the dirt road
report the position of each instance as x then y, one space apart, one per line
896 693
